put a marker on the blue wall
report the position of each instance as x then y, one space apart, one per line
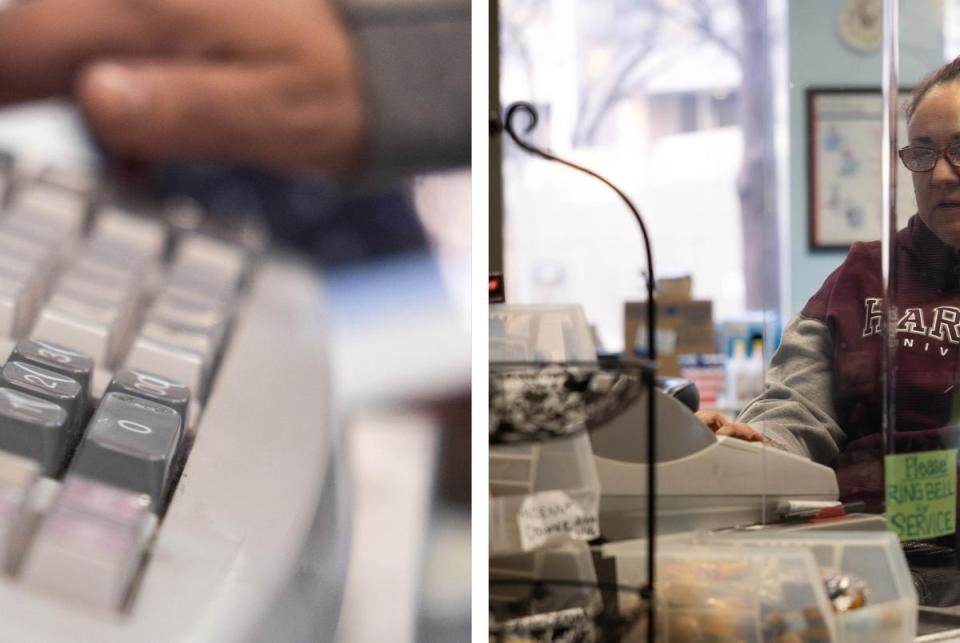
818 57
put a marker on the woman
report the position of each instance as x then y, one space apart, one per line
824 389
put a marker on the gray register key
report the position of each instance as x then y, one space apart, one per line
33 427
56 358
131 442
49 385
153 387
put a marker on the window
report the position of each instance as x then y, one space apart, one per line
647 94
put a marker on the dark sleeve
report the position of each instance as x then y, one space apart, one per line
415 63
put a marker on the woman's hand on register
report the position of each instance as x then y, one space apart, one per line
722 426
274 83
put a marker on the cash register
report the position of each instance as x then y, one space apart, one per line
704 481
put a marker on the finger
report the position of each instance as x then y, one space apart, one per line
747 432
740 431
712 419
176 110
228 112
43 43
730 430
758 437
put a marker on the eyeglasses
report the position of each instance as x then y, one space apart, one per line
923 159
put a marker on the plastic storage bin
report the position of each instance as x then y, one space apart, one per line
875 557
540 333
714 569
556 479
724 593
512 579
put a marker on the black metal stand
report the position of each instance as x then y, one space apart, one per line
509 126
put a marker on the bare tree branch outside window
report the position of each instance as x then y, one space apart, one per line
644 38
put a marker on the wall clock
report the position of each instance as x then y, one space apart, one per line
861 24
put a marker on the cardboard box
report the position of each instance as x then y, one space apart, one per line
682 327
675 288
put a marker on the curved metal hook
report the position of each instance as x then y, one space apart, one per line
512 110
531 111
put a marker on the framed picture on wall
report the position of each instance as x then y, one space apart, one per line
844 127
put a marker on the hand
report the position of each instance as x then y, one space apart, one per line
268 82
721 426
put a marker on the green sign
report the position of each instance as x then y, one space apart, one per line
921 493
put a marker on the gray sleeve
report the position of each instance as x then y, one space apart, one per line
796 410
415 62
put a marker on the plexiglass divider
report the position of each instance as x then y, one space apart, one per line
921 297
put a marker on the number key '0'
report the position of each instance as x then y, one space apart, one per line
136 427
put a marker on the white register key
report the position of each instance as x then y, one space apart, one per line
91 543
79 325
67 207
148 236
17 477
227 260
15 307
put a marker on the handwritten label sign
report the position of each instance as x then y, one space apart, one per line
921 493
553 516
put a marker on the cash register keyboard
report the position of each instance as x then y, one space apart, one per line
164 425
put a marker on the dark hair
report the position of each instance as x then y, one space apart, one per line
947 73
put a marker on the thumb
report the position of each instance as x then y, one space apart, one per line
193 110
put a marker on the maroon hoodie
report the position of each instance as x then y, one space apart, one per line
926 359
